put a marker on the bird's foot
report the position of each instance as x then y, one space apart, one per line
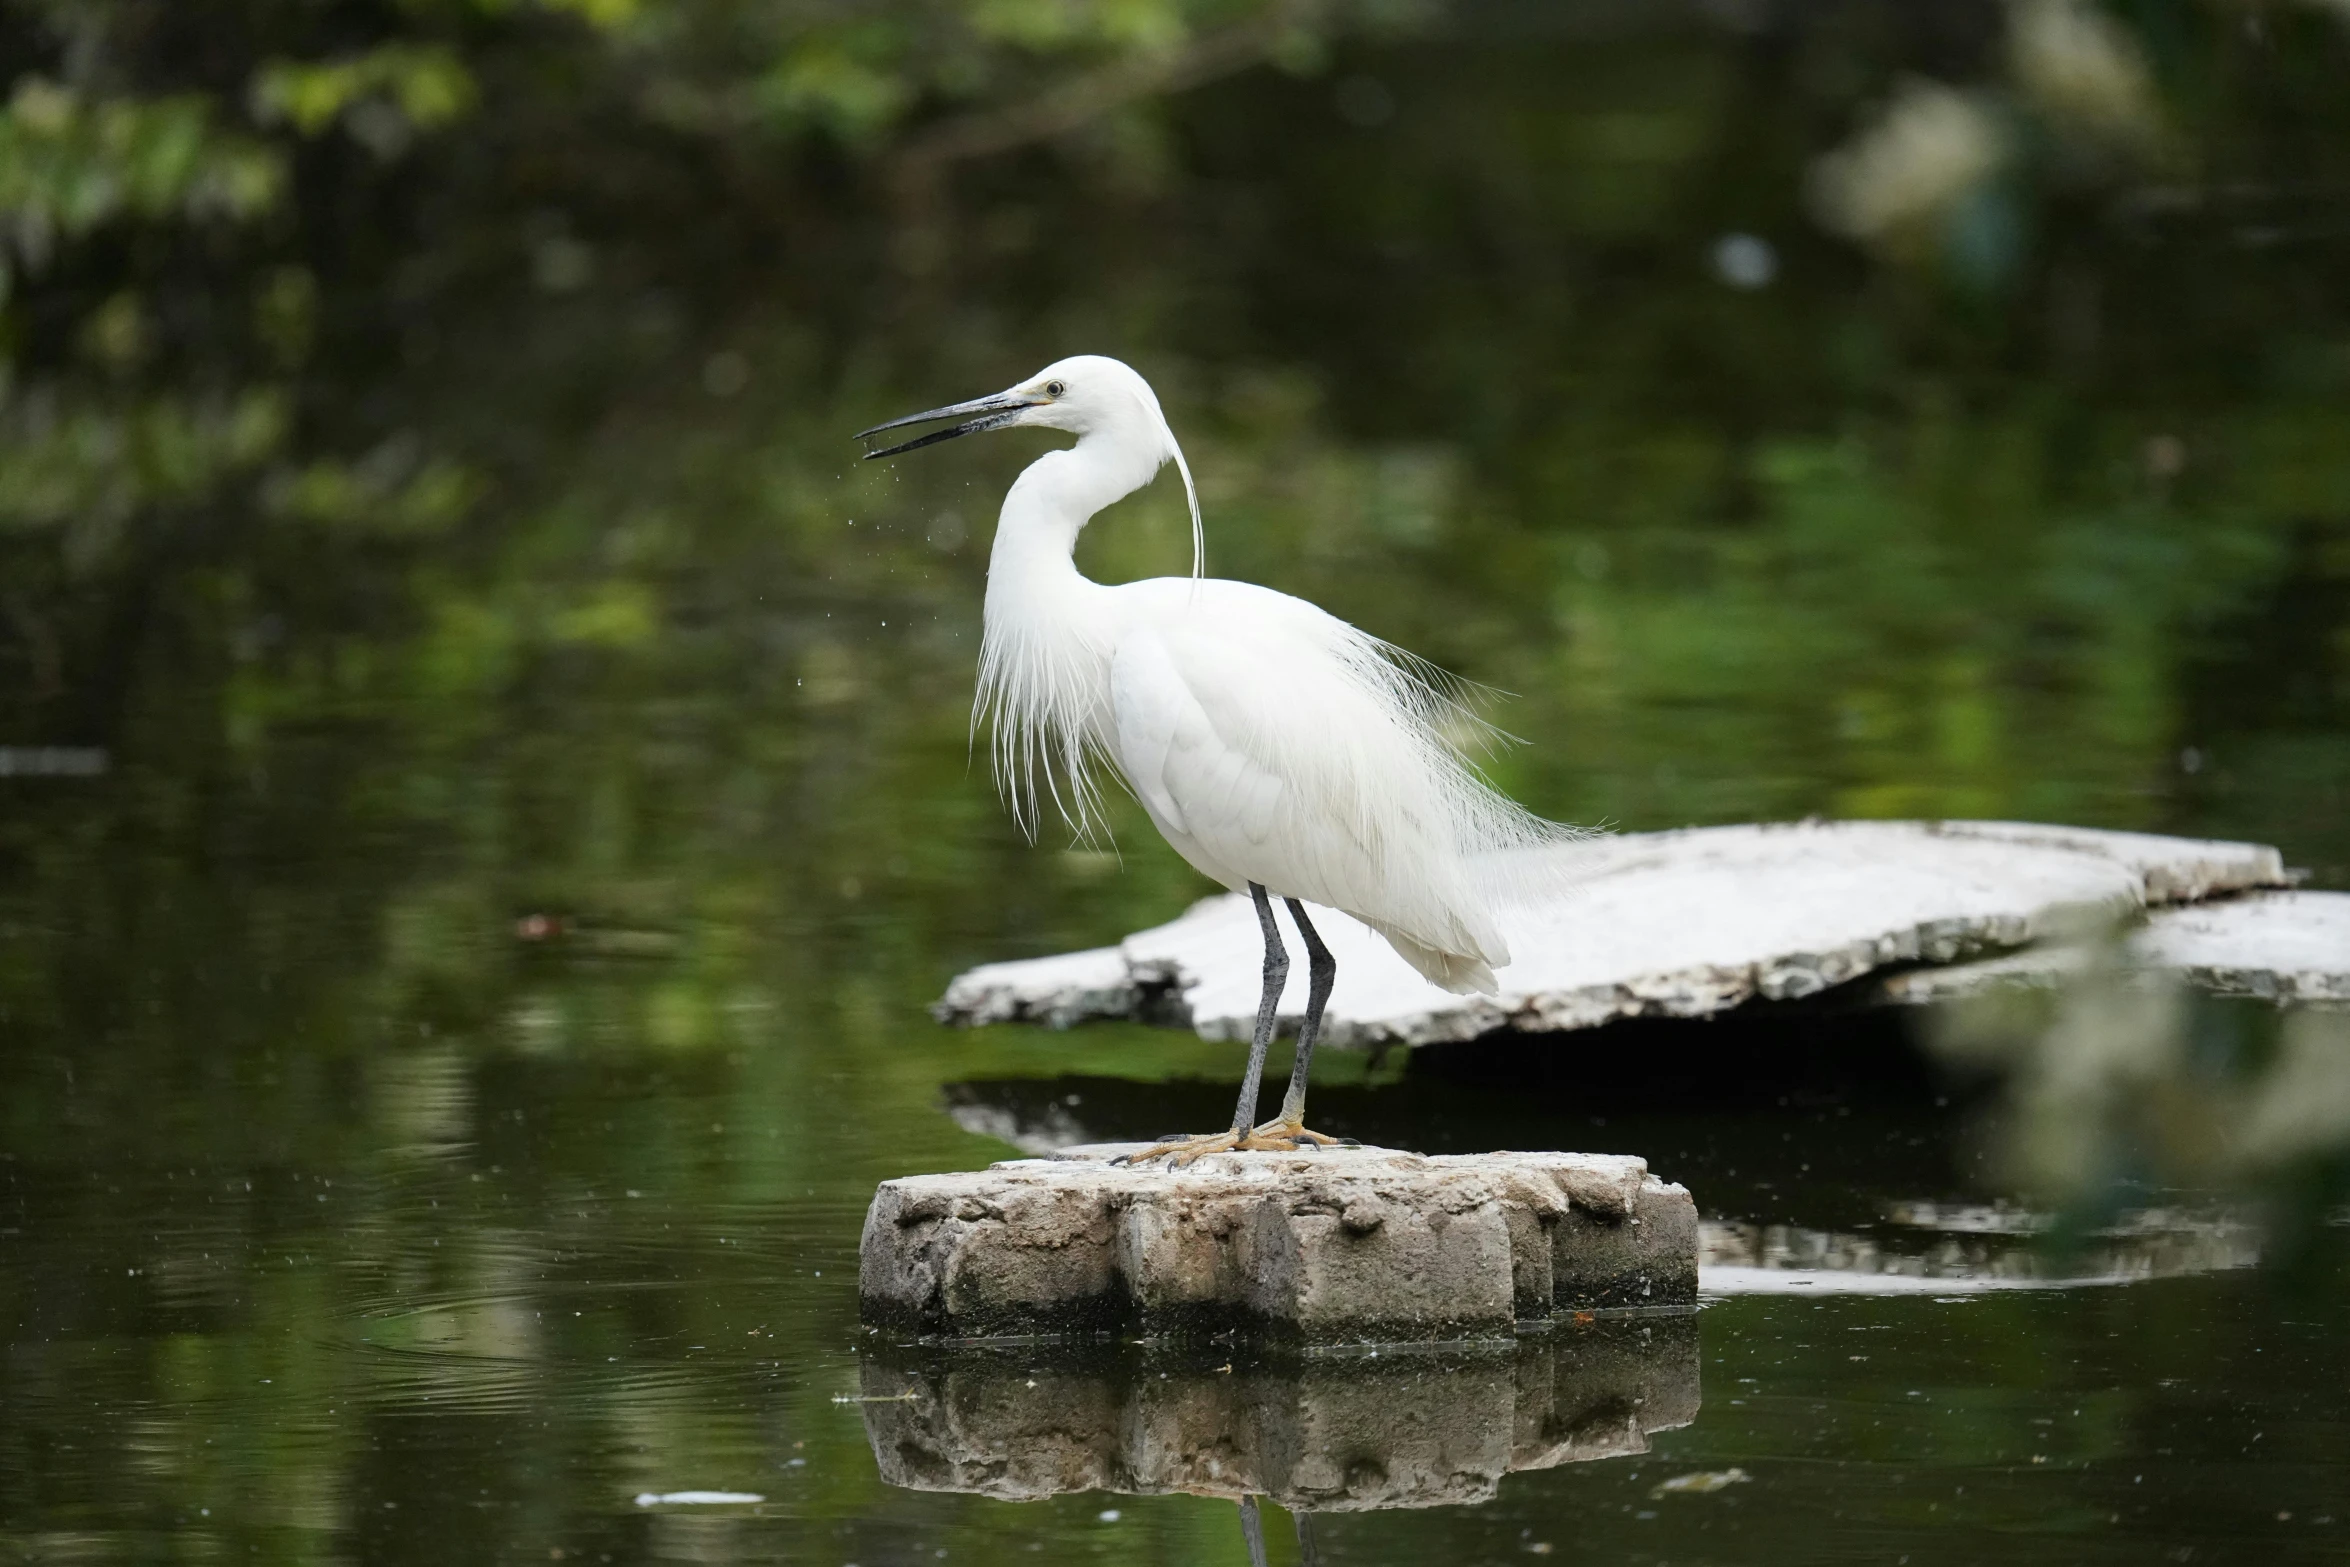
1293 1137
1179 1151
1272 1137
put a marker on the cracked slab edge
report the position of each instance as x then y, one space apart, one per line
1131 980
2292 948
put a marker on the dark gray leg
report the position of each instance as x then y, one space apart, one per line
1252 1530
1276 975
1321 972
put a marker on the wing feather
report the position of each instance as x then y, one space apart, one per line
1274 743
1266 762
1150 705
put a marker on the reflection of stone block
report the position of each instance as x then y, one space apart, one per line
1326 1246
1319 1432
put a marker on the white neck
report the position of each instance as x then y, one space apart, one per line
1056 496
1045 657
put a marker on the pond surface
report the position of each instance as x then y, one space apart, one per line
471 878
482 1304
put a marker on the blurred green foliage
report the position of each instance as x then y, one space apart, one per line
539 749
450 395
71 163
426 84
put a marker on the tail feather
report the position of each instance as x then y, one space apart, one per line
1459 972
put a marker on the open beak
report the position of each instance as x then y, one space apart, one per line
981 413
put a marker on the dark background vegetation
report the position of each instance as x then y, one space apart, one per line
474 734
423 465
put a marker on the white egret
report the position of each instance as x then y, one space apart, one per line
1279 749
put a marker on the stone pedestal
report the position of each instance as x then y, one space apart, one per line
1364 1244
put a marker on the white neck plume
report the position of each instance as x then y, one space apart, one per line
1044 661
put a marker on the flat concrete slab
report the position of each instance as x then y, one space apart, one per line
1675 924
1351 1244
2292 948
1316 1434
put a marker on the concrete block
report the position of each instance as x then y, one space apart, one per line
1340 1244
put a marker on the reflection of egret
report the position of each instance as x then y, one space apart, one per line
1278 748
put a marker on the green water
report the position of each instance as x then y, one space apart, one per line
469 1299
450 1028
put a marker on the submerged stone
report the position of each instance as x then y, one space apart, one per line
1362 1244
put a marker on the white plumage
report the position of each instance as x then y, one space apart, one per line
1274 745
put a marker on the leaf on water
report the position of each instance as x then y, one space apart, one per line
1702 1482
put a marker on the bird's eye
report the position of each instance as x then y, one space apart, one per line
1054 388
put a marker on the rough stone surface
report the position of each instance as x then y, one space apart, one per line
1317 1434
2292 948
1676 924
1335 1245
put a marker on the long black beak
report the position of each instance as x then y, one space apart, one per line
993 413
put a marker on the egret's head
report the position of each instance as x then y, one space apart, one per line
1085 394
1094 399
